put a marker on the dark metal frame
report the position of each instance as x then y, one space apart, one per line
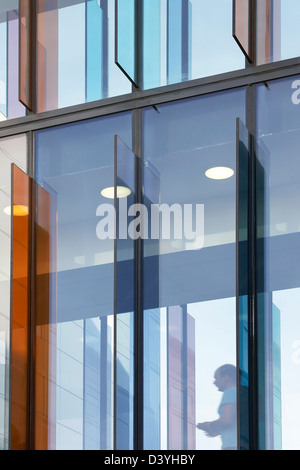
138 99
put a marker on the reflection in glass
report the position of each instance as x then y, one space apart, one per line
75 53
243 162
126 48
278 244
277 33
75 163
20 316
10 106
242 26
181 40
25 53
189 287
125 167
12 149
47 55
290 36
178 40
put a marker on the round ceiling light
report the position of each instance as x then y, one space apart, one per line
19 210
122 191
219 173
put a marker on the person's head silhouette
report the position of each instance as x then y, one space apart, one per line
225 377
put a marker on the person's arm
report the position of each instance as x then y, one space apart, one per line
226 420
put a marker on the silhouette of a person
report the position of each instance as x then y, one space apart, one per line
226 425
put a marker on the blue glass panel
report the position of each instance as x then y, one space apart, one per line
190 282
243 142
125 167
95 366
174 41
71 55
151 43
152 320
278 135
96 50
125 39
277 377
14 107
286 31
76 162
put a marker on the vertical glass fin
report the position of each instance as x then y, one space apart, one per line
20 317
242 165
242 26
125 39
26 53
45 320
126 233
47 55
268 31
96 50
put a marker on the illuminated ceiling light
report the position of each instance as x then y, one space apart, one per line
219 173
19 210
122 191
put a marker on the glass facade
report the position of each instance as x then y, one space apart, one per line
180 153
278 229
149 228
11 107
81 286
13 151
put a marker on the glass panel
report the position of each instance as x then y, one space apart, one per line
71 54
14 107
153 405
74 164
75 53
181 379
45 318
241 25
186 39
12 149
264 34
25 34
278 228
47 55
179 34
96 50
125 40
189 263
127 232
287 29
277 30
3 66
151 43
175 40
243 144
20 321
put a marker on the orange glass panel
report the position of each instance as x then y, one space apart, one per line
242 28
33 348
26 52
47 55
20 325
45 326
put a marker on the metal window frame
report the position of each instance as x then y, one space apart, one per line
138 99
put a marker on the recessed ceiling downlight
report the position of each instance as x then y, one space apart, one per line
19 210
122 191
219 173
